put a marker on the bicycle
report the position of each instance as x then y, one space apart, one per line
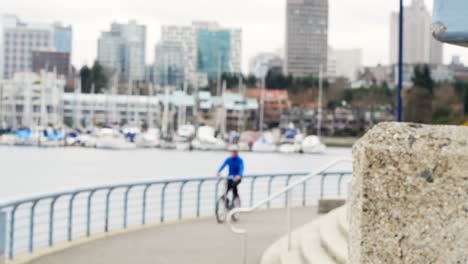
225 204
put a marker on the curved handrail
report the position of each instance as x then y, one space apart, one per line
65 223
243 232
125 185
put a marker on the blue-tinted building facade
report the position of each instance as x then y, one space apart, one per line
63 39
214 48
169 64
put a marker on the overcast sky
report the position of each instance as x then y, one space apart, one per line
353 23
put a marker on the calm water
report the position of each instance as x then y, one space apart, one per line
29 171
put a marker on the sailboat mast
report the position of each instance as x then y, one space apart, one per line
166 112
262 103
223 111
136 117
240 118
319 106
149 111
129 91
93 105
43 102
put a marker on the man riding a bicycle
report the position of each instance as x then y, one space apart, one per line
236 171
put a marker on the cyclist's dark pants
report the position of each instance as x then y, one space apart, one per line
232 185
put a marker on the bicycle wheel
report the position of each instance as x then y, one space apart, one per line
236 204
221 209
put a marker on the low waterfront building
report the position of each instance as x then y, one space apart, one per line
275 102
82 110
51 61
31 99
231 112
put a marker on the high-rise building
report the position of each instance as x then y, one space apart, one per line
19 40
260 64
169 64
344 63
306 37
418 44
204 45
213 52
123 49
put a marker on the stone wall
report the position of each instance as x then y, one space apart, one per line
409 195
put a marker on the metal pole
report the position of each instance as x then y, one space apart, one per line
400 67
244 248
3 223
288 218
262 104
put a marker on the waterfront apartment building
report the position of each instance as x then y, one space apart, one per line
207 48
306 37
107 109
122 49
18 41
31 99
238 111
275 102
51 61
418 44
169 64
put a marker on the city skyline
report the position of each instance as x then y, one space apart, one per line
262 31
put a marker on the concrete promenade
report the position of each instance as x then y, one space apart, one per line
196 242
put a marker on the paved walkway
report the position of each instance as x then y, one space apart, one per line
195 242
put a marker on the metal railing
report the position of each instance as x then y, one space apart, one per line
43 221
287 191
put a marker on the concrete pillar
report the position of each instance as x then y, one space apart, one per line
409 195
3 223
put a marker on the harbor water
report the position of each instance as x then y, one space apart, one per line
31 171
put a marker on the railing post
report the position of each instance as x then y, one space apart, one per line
288 217
286 202
51 220
31 226
322 185
3 224
199 197
126 207
11 240
143 206
70 216
181 198
106 217
88 213
270 181
339 183
163 200
252 185
304 194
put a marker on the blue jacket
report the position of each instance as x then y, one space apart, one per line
236 167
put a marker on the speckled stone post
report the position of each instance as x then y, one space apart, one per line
409 195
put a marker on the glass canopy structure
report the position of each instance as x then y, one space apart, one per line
450 21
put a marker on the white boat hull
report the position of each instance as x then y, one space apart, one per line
314 149
289 148
260 147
